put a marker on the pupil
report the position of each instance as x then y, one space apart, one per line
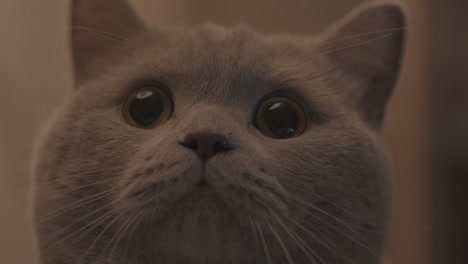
146 108
281 119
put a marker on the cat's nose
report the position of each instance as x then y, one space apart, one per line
206 145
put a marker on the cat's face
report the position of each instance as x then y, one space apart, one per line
220 146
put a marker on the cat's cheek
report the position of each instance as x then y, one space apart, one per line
155 189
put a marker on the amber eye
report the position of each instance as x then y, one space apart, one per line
147 107
281 118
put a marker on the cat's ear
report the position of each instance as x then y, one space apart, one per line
99 28
367 45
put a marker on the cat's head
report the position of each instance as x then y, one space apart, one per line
220 145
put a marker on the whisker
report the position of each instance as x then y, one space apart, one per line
349 46
89 215
118 237
79 203
107 35
132 232
91 184
120 39
281 242
265 246
367 33
323 240
104 216
87 252
254 231
350 213
347 211
317 208
354 239
304 247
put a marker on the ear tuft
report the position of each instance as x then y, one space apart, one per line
368 45
100 27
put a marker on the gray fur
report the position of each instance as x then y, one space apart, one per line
338 168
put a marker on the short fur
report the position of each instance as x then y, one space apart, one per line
107 192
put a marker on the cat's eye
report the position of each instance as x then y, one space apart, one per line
281 117
147 107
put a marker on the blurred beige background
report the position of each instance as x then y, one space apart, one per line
35 76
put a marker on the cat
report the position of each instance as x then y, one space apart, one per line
219 145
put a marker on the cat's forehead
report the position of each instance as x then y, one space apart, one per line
210 44
223 62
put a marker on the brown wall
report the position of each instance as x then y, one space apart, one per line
449 112
35 77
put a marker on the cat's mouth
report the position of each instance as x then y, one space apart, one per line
199 194
202 184
201 188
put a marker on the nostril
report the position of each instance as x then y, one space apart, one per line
190 143
221 146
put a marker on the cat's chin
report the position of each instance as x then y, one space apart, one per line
201 206
200 226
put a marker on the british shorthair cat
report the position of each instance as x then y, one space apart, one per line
219 145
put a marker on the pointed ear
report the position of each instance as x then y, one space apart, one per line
367 45
99 28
